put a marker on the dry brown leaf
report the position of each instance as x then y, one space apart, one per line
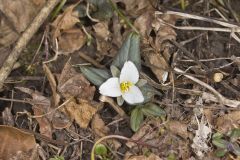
159 61
228 121
144 23
7 117
73 84
61 120
102 30
82 112
71 40
103 46
20 13
98 126
178 128
100 130
146 133
159 57
64 21
7 34
15 141
41 109
135 8
143 157
14 18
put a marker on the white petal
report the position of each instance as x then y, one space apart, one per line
134 95
129 73
111 88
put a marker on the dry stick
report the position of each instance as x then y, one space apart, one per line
90 60
24 39
117 108
186 15
234 28
208 96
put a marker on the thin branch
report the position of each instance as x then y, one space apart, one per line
24 39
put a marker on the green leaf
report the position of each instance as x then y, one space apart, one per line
136 118
101 149
115 71
152 109
217 136
221 152
221 143
234 134
94 75
130 51
149 92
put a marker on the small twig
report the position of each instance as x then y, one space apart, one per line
90 60
36 53
56 54
89 37
16 79
88 15
191 16
63 104
221 98
24 39
207 60
233 28
21 101
116 107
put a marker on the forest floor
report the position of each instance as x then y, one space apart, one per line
182 57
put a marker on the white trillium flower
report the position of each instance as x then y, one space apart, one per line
125 85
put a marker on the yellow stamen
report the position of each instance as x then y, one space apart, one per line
124 86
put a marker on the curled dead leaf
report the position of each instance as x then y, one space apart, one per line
102 30
144 23
64 21
41 107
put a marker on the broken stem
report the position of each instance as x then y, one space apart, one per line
116 107
126 20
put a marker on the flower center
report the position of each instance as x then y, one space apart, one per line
124 86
